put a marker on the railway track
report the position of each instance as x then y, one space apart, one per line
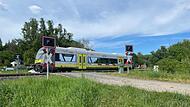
15 76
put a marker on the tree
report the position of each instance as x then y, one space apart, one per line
50 30
135 60
32 32
85 42
69 36
60 30
158 55
169 65
180 50
42 29
1 45
6 57
29 56
140 59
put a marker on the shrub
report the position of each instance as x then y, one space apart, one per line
169 65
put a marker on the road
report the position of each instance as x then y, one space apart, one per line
150 85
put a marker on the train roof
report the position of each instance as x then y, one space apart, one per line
73 50
89 52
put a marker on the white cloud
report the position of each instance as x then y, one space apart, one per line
110 45
112 25
35 9
3 6
159 17
107 18
10 31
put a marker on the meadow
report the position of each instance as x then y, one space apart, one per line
80 92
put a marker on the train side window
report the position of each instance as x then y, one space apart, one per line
113 61
94 60
102 60
74 58
57 57
68 58
61 58
89 60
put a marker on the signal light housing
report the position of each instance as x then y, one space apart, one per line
129 48
48 41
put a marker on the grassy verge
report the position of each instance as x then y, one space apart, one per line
182 78
74 92
14 72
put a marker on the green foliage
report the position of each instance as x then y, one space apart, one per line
168 65
151 75
5 57
74 92
180 50
29 56
175 58
185 66
138 59
1 45
32 32
158 55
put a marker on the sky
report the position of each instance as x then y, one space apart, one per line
108 24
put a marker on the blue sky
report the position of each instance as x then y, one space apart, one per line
108 24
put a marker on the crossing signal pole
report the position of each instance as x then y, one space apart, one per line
129 54
48 43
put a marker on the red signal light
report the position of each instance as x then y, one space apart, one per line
131 53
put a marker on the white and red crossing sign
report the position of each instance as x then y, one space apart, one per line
48 43
129 54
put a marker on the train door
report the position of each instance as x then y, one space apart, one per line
120 64
120 60
82 61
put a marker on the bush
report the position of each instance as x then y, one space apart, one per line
169 65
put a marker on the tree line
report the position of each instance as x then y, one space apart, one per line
172 59
32 32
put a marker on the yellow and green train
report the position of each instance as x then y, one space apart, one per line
68 59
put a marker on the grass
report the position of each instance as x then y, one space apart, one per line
150 75
14 72
79 92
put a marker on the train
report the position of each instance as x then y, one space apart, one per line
69 59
